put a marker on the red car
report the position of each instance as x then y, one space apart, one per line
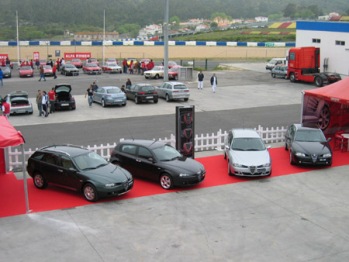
48 70
77 62
173 72
26 71
92 60
92 69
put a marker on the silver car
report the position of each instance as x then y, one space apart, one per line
6 70
109 95
19 103
246 154
173 91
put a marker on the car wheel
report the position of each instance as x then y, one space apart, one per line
318 81
155 101
103 103
90 192
136 100
124 104
186 99
229 171
291 159
292 78
273 75
167 97
156 76
286 148
166 181
39 181
324 118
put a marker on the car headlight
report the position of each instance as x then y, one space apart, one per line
300 154
327 155
237 165
110 185
183 175
267 165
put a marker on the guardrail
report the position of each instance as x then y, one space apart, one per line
203 142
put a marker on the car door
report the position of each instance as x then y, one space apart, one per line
49 168
146 167
130 92
227 142
161 90
97 95
127 155
289 136
67 173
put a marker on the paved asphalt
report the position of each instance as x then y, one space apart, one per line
301 217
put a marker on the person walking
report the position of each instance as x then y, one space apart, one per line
6 109
128 83
89 94
44 103
52 99
39 101
1 77
214 82
42 74
54 70
200 80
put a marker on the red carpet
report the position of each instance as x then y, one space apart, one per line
12 201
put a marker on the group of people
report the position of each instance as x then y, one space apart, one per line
46 102
136 67
89 93
213 81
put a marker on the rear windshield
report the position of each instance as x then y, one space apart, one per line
180 87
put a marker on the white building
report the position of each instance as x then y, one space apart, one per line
333 40
261 19
150 30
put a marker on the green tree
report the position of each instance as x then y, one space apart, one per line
131 29
290 10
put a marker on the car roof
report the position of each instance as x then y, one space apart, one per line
71 150
141 142
300 127
175 83
245 132
110 87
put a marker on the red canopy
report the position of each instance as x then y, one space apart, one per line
336 92
9 136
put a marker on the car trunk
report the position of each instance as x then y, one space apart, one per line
19 101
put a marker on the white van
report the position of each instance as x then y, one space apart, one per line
275 61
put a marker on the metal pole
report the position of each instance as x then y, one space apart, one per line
103 36
165 27
27 210
17 39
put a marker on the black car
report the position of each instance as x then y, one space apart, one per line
64 99
307 146
79 169
69 70
159 162
141 93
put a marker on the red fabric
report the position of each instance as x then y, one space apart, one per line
9 136
6 108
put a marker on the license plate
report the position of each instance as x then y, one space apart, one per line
64 104
149 97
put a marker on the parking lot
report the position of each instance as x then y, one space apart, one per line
300 217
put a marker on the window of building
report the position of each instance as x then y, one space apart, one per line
316 40
339 42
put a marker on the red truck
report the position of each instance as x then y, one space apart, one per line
304 65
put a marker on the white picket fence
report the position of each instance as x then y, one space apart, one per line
214 141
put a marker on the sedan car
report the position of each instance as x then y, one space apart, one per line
79 169
141 93
279 71
6 70
307 146
157 72
19 103
76 62
173 91
92 60
26 71
112 68
48 70
109 95
173 72
64 99
159 162
69 70
246 154
92 68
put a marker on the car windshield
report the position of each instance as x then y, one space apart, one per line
25 68
69 66
147 88
113 91
166 153
248 144
90 160
180 87
309 136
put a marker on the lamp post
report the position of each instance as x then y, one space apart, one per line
165 29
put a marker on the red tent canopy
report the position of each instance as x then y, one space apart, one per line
9 136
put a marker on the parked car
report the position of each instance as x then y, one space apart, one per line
6 71
246 154
112 68
92 60
48 70
79 169
111 61
157 72
26 71
76 62
173 72
173 91
109 95
141 93
64 98
91 68
157 161
274 62
69 70
19 103
171 64
307 146
279 71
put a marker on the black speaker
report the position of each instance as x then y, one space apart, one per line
185 131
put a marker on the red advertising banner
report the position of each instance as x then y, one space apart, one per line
36 56
80 55
3 59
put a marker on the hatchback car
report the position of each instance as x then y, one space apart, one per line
159 162
279 71
246 154
48 70
173 91
92 68
19 103
141 93
69 70
6 70
26 71
109 95
307 146
79 169
64 98
76 62
111 68
157 72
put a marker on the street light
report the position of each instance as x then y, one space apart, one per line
165 29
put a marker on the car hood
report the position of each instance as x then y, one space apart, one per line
63 88
109 174
184 164
311 147
249 158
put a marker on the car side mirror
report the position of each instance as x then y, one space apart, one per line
227 147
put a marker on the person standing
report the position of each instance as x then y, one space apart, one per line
54 70
89 94
52 99
44 103
1 77
124 66
128 83
200 80
214 83
42 73
39 102
6 109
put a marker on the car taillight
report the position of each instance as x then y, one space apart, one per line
155 93
141 93
186 90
